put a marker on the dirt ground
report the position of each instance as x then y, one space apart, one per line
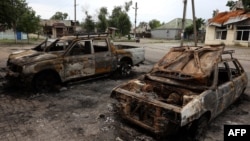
84 111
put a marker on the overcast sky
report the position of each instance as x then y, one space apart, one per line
162 10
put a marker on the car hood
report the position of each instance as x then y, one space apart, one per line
188 63
22 57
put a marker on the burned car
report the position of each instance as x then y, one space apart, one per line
70 58
186 89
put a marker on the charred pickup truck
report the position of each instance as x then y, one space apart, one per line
71 57
186 89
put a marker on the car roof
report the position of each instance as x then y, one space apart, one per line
189 62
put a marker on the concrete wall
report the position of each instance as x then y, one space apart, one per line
9 34
164 34
230 40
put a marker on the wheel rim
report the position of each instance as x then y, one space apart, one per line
125 69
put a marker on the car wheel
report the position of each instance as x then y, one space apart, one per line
198 128
45 82
125 69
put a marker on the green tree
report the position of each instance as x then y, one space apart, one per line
143 24
102 23
124 24
120 19
190 29
59 16
89 24
29 22
154 23
215 12
11 12
199 23
128 5
246 4
231 4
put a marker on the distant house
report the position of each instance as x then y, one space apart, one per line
50 28
143 31
230 28
58 28
171 30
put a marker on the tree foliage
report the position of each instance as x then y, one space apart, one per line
120 19
102 23
128 5
142 24
17 15
124 24
11 11
246 4
29 22
89 24
59 16
154 24
190 29
231 4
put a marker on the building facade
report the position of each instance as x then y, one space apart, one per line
230 28
170 30
57 28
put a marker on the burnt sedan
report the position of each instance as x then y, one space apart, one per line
186 89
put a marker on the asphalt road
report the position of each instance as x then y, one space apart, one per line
83 111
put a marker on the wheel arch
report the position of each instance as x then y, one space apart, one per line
47 71
207 114
126 59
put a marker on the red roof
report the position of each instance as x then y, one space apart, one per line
229 17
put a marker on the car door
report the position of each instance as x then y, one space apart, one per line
226 88
237 77
79 61
103 56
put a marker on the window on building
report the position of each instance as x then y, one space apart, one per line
242 33
221 33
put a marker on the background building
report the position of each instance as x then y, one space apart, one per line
170 30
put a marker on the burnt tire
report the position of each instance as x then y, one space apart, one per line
125 69
198 129
45 82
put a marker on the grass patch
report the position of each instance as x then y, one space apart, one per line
20 42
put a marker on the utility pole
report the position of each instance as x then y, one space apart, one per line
75 17
194 23
135 18
183 21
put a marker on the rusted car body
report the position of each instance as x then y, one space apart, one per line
70 58
188 85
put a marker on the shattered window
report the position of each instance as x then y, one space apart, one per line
81 48
59 45
223 75
242 33
100 45
221 33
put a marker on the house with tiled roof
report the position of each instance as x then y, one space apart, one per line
229 28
